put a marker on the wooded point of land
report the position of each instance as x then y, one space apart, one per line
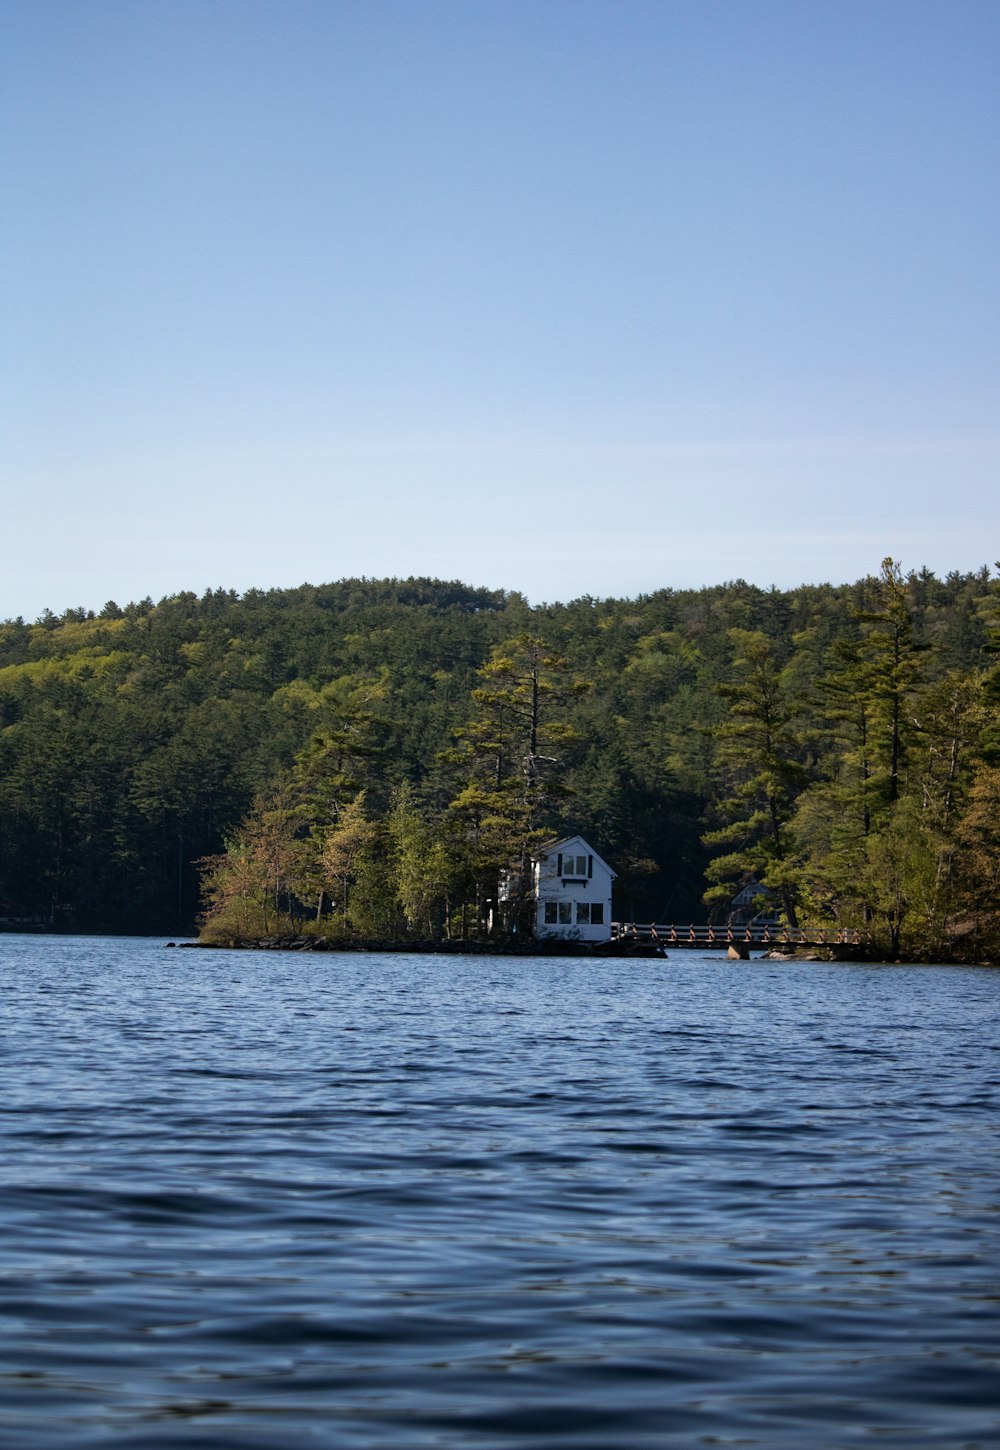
366 757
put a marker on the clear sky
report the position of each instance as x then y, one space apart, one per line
565 296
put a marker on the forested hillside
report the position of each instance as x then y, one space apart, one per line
367 755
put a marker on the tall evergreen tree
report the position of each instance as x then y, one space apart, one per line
760 769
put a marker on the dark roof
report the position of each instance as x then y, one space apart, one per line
751 892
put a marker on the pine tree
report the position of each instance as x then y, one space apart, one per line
341 852
889 674
424 870
761 771
515 745
978 858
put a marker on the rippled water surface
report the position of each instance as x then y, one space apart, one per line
343 1201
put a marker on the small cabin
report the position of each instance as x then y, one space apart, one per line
571 886
754 904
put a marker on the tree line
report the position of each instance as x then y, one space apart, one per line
366 758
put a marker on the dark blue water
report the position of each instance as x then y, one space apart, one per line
346 1201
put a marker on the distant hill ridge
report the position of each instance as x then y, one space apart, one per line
135 739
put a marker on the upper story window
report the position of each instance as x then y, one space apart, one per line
577 866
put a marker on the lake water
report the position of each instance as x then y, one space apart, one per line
275 1200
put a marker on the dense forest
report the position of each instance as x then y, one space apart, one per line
364 758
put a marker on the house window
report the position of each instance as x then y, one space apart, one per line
590 913
575 866
558 913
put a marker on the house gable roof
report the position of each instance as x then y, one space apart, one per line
561 843
753 891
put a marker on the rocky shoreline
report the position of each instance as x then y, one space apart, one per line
510 948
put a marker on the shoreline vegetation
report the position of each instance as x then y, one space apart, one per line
373 761
627 949
624 948
429 947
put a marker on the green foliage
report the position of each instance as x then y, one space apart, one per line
795 736
901 880
425 871
876 828
250 888
977 874
758 761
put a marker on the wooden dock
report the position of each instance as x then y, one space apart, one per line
757 934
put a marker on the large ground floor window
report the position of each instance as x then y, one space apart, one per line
560 913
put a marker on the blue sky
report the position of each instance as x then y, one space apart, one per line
567 296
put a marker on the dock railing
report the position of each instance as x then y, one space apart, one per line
754 934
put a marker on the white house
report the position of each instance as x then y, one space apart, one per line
571 886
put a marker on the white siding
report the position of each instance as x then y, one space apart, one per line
572 886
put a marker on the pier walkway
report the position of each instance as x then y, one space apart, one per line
756 934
